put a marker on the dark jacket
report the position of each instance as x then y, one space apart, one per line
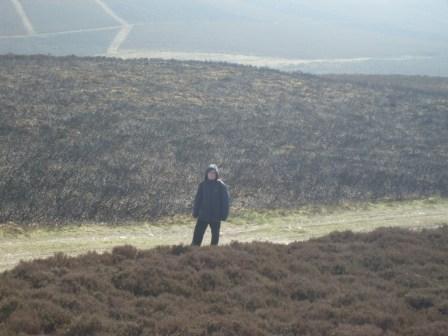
212 200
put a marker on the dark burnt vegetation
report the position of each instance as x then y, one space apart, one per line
111 140
387 282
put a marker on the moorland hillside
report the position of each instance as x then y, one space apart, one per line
112 140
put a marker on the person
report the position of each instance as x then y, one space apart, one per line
211 205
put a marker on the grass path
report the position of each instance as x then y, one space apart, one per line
122 34
280 226
23 17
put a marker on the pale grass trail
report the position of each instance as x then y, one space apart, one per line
122 34
279 226
24 17
65 32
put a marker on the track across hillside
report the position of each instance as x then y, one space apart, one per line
279 226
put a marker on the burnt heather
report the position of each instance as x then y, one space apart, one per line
103 139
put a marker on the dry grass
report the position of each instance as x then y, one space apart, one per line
279 226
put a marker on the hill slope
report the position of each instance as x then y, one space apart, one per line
388 282
111 140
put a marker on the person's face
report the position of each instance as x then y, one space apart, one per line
211 175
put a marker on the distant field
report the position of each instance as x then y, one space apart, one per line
10 23
143 11
82 44
293 40
55 16
290 36
238 38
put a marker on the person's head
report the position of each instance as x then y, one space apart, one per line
212 172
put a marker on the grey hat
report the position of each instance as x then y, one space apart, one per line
211 167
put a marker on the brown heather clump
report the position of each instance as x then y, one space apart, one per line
388 282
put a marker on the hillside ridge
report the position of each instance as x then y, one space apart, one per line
111 140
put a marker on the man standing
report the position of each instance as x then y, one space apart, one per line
211 205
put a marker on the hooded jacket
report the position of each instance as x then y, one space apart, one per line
212 199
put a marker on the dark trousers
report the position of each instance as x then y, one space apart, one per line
199 231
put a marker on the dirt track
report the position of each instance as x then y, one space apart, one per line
275 226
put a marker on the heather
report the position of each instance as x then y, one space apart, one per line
387 282
108 140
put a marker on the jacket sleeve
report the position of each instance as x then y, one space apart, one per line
225 202
197 202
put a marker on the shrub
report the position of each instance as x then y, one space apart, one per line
238 289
